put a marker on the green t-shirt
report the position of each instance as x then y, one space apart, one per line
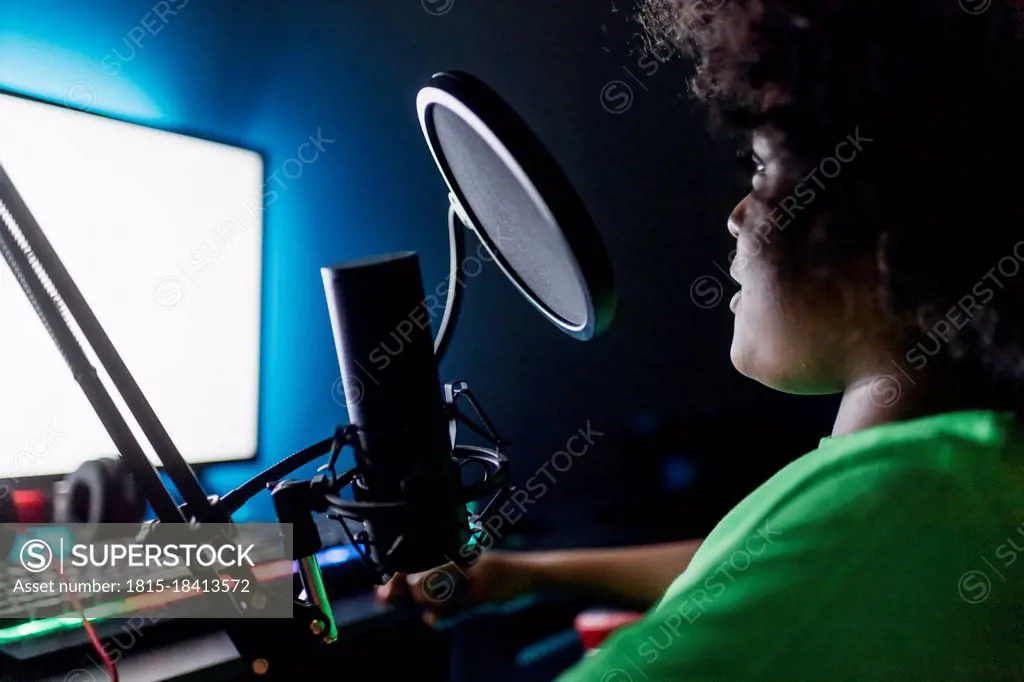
887 554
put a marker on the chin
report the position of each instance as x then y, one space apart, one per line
784 375
750 369
744 355
763 374
751 358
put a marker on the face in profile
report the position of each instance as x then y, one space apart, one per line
802 334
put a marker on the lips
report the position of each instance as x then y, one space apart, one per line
735 302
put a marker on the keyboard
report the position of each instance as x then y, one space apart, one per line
22 606
35 616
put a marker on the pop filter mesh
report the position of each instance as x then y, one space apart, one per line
530 244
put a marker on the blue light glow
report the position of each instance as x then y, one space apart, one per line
58 75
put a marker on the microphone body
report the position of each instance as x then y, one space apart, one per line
393 395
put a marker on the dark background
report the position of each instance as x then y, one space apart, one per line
685 435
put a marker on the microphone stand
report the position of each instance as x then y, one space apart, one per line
265 650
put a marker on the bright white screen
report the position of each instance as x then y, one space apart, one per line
162 233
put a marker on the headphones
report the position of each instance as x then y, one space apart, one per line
99 491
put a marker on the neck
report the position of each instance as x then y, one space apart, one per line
884 396
870 402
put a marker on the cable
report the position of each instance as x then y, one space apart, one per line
234 500
90 631
108 662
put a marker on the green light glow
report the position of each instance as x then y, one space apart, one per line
43 626
70 620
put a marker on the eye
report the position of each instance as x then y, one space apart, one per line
746 164
747 161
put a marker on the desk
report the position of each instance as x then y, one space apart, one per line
369 636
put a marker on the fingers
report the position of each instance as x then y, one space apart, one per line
441 589
407 588
394 589
442 593
432 588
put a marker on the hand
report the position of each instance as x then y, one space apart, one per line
448 589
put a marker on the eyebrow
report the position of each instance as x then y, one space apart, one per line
763 144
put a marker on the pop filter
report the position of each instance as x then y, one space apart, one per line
508 189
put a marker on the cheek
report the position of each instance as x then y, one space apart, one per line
761 332
776 339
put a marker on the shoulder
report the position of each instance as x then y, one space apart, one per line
846 565
950 456
930 488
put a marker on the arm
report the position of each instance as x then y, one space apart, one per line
632 575
636 575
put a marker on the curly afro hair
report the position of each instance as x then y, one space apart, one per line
936 199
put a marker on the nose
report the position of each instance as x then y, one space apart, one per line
737 217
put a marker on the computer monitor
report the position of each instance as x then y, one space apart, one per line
162 233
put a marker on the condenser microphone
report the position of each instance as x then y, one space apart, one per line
505 188
406 478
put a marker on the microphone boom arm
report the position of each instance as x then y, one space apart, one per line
67 318
58 303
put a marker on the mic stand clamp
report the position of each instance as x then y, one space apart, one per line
295 503
272 651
